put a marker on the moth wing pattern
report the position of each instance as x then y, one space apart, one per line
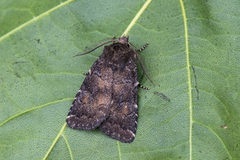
108 96
91 105
121 123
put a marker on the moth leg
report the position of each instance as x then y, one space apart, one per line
142 47
87 73
142 86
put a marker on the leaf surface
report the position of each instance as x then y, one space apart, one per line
193 59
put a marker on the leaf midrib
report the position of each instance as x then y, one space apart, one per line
188 76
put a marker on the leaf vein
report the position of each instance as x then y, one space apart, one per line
32 109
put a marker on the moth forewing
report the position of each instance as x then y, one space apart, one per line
108 95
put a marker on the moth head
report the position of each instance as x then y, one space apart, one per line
123 40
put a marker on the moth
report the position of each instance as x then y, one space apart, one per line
108 96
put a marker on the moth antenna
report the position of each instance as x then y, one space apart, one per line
143 69
95 47
132 46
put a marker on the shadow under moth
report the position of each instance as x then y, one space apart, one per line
108 96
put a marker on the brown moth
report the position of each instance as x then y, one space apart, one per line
108 96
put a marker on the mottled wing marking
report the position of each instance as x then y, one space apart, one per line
91 105
122 121
108 95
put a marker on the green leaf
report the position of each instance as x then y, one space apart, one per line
15 13
193 59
